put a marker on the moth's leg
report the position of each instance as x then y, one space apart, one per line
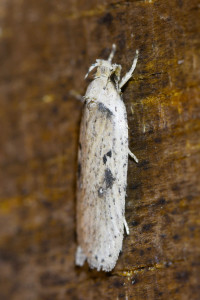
126 226
128 75
133 156
77 96
80 257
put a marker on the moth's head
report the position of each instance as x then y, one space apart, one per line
105 68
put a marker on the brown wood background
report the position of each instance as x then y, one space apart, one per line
46 48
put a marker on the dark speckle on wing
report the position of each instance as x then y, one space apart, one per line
109 179
109 153
102 108
104 159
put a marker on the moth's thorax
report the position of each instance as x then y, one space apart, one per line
103 90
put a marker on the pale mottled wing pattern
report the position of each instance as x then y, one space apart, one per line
103 159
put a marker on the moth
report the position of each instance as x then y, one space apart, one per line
102 167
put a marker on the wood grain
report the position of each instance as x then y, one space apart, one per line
46 48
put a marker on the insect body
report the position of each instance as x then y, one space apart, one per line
102 168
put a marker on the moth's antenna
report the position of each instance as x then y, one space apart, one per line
112 53
91 68
128 75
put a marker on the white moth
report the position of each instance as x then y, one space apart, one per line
102 167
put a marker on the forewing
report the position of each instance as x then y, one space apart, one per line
103 157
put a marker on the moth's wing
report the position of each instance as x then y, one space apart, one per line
103 158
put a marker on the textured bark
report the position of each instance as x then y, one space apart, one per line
46 48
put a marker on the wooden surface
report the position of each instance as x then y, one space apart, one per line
46 48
